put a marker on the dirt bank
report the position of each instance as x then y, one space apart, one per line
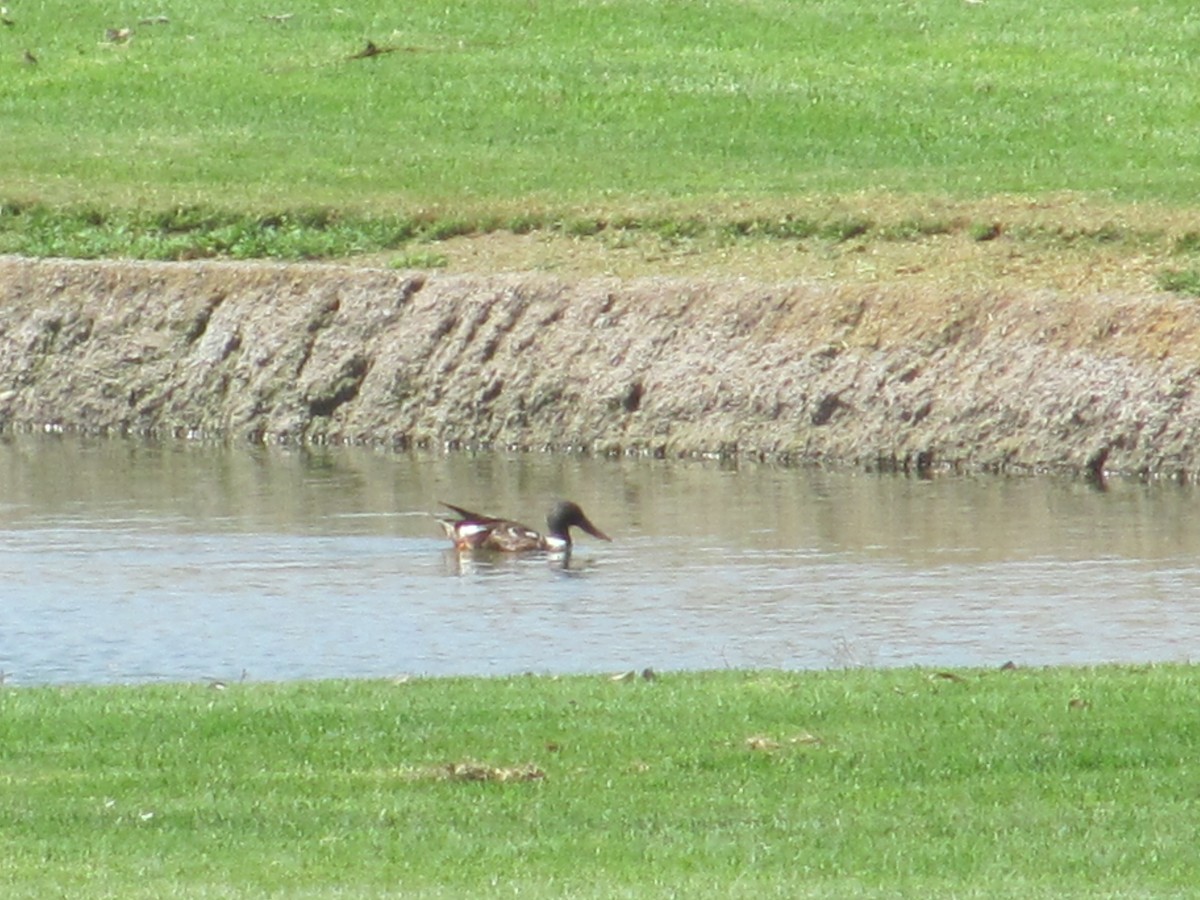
865 374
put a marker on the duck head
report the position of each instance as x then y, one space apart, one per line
566 514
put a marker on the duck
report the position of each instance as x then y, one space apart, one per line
475 531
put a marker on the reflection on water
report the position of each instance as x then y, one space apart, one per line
126 561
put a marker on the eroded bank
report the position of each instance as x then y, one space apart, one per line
813 371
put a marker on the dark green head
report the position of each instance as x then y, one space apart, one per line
565 514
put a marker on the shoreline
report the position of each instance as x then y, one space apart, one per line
892 375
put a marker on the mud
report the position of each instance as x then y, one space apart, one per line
875 375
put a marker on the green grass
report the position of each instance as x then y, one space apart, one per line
230 131
1180 281
197 232
580 102
1027 783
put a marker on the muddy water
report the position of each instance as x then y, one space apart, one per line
124 561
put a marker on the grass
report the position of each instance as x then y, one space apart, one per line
1180 281
1030 783
496 100
498 115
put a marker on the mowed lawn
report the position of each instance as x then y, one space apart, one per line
617 105
904 783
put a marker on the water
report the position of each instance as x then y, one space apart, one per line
129 562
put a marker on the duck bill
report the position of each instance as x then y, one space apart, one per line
595 532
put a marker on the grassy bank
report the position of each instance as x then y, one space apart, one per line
899 783
218 130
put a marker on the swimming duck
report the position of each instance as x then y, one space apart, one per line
474 531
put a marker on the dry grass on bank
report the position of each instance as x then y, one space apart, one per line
1066 244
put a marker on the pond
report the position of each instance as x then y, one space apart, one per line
126 561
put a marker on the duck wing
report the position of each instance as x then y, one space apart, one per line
505 537
476 531
512 537
469 516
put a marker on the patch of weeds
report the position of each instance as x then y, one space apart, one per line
845 229
420 260
1186 243
399 232
525 223
198 232
678 229
625 222
742 228
1108 233
445 229
318 217
985 231
10 208
93 218
272 221
583 227
620 238
183 219
785 228
1180 281
914 229
796 229
489 224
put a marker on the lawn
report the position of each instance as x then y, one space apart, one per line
229 118
1002 783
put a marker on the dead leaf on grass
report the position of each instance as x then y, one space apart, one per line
1078 703
767 743
805 737
947 676
472 771
761 742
